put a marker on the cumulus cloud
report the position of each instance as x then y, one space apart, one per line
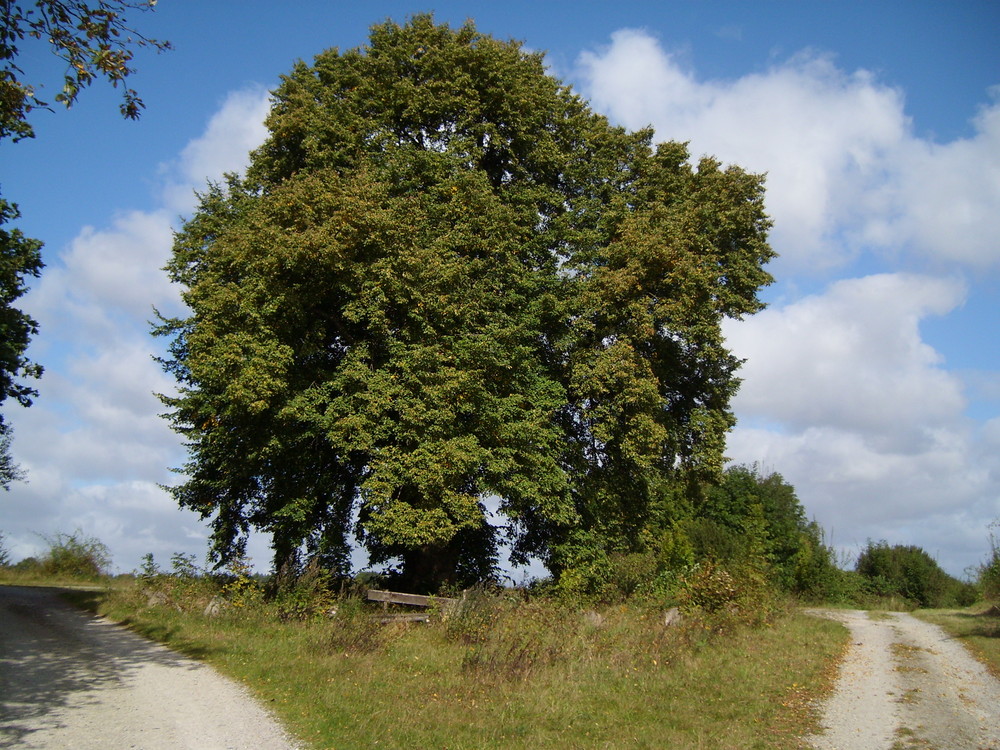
846 174
851 358
93 444
948 198
230 135
844 398
106 274
842 393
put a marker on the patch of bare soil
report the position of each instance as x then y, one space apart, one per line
907 684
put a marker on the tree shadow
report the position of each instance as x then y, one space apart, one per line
54 658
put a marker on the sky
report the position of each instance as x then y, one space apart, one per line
871 382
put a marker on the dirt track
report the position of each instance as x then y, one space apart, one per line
70 680
907 684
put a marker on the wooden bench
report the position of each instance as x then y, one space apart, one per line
410 600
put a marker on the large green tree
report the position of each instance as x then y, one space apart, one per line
444 281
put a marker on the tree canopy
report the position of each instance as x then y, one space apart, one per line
909 572
447 289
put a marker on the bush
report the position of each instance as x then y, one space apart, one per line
305 595
728 597
75 556
516 640
989 571
909 572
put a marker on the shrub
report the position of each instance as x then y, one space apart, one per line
989 571
305 595
909 572
354 629
728 597
241 588
75 556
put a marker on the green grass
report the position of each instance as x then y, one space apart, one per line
511 675
12 577
977 627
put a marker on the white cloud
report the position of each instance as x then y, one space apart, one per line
842 394
93 444
845 172
231 134
948 201
851 358
844 398
106 273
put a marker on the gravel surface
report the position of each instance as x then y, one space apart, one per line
907 684
72 680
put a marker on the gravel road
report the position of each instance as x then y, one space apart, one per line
907 684
72 680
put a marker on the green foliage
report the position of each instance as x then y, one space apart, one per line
20 258
4 553
241 589
444 278
9 471
307 595
183 566
752 515
149 570
95 40
75 556
989 571
909 572
28 565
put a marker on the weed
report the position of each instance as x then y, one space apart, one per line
520 640
354 630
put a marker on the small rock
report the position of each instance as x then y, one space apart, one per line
157 599
672 617
592 618
215 606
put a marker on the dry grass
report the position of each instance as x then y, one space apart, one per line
509 674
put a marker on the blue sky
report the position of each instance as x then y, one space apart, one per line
872 381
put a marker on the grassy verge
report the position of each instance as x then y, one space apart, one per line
977 627
505 674
10 577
